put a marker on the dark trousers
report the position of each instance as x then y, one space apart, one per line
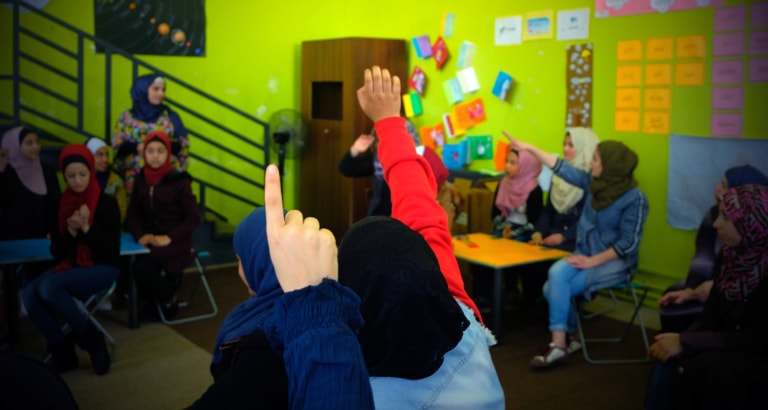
154 282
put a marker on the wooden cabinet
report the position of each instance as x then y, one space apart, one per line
331 73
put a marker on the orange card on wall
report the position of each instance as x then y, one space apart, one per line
656 122
657 98
629 50
470 113
659 48
500 155
629 75
658 74
628 98
689 74
627 120
691 47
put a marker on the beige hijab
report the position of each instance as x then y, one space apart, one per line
564 195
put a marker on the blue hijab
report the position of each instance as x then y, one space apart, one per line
148 112
250 243
745 175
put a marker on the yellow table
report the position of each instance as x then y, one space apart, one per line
499 254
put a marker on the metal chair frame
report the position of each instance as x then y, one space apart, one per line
201 263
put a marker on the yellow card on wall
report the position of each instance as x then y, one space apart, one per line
627 120
629 75
656 122
657 98
691 47
627 98
538 25
689 74
659 48
658 74
629 50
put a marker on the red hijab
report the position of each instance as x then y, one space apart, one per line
154 175
71 201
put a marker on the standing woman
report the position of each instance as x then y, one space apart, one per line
87 249
148 114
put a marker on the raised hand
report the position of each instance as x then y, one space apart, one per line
302 253
379 97
361 144
517 144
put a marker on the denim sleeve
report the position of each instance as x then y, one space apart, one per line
632 220
572 175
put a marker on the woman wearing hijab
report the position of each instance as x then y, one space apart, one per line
86 246
721 361
148 114
607 239
162 215
519 199
109 182
29 189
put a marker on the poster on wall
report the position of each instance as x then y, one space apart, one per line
539 25
578 78
573 24
159 27
612 8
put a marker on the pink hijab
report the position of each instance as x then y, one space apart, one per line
514 191
30 171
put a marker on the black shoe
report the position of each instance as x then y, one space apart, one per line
92 341
63 355
170 309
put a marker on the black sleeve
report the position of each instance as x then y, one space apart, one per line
52 199
360 166
544 223
495 211
127 148
534 205
104 236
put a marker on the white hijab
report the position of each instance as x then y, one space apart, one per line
564 195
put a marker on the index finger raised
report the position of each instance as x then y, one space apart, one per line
273 199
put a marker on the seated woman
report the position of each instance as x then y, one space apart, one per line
607 239
162 214
721 361
109 181
87 249
518 198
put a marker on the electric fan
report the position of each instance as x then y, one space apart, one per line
288 135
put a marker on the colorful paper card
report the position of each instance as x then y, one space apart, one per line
468 80
656 122
423 46
626 120
432 136
502 85
451 127
760 14
689 73
758 42
466 54
728 44
439 52
658 74
508 30
758 70
628 98
730 18
470 113
727 72
727 98
418 80
691 47
573 24
446 24
412 105
726 125
657 99
629 76
480 147
539 25
629 50
500 156
659 48
452 90
456 155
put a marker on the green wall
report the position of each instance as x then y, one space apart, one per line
253 62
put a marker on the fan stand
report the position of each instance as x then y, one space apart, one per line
281 138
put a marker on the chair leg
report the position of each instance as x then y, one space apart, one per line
200 280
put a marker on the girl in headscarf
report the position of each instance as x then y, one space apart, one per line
109 182
518 199
721 361
86 246
607 240
162 214
148 114
29 189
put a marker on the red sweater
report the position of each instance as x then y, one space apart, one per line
414 193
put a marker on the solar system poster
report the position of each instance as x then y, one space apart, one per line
159 27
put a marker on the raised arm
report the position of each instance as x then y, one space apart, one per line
544 157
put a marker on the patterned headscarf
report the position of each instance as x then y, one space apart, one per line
563 195
514 191
745 265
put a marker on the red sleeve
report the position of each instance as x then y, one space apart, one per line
414 200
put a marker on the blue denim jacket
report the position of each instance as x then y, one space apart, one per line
619 226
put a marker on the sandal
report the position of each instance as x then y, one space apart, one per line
549 355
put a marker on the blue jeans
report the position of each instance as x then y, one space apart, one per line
563 282
50 295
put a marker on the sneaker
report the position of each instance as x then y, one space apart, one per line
573 344
548 356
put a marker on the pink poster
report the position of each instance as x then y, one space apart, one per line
727 72
758 70
728 44
760 14
611 8
730 18
726 125
727 98
758 42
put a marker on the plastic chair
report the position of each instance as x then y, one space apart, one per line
201 263
633 289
